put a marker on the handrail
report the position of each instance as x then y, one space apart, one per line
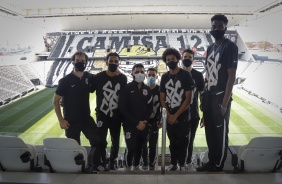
163 139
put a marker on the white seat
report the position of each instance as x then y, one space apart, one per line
15 155
260 155
61 154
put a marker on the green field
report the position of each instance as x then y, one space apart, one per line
32 118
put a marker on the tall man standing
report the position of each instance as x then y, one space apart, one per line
221 65
187 60
108 85
176 96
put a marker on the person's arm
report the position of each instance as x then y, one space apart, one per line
232 61
64 124
228 89
149 106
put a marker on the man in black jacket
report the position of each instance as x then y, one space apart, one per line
153 123
136 106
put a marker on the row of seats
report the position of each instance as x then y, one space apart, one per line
59 155
261 154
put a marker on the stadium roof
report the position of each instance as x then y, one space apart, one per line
143 14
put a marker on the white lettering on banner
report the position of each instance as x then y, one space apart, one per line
110 100
173 98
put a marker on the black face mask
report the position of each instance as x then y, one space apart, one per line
112 67
217 34
172 65
80 66
187 62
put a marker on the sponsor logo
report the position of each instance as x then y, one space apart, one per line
145 92
99 124
128 135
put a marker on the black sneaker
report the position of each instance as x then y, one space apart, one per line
89 170
215 169
172 168
205 167
112 167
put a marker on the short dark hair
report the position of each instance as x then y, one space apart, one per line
138 65
152 69
189 51
79 53
112 54
172 51
220 17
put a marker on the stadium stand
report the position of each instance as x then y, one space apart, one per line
13 82
259 82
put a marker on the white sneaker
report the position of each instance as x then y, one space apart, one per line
182 169
100 168
172 168
189 167
137 168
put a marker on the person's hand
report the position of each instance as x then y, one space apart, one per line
64 124
160 124
172 119
61 102
222 110
141 125
202 122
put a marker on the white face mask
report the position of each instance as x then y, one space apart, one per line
139 77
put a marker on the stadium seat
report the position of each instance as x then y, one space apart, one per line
15 155
64 155
261 154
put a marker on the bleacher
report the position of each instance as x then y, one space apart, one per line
262 80
13 83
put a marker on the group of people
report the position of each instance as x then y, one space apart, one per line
136 106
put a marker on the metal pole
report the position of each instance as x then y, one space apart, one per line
163 139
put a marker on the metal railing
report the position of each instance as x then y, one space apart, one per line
163 139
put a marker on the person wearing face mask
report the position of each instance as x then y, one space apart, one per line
136 106
108 85
74 88
221 64
187 59
176 96
153 123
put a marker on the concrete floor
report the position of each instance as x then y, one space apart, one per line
139 177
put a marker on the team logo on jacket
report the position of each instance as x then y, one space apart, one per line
145 92
99 123
128 135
